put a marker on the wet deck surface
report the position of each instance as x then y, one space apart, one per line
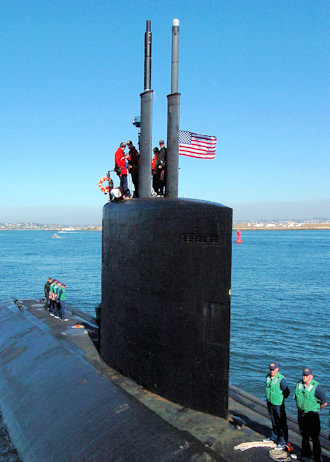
51 369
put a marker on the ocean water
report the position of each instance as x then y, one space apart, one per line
28 258
280 309
280 295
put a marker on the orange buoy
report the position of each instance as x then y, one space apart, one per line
238 237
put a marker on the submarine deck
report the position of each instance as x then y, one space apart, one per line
61 402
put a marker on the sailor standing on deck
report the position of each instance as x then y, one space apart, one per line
61 302
161 166
57 306
121 160
310 399
133 165
276 391
155 172
52 297
46 292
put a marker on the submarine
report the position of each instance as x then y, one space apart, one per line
166 273
150 380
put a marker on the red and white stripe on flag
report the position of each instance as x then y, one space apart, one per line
194 145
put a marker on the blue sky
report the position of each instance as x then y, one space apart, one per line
252 72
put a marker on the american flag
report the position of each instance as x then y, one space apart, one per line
194 145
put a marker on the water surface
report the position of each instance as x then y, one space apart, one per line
280 295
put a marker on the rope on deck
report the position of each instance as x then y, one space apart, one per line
255 444
279 456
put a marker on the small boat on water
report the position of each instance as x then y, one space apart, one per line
66 230
56 236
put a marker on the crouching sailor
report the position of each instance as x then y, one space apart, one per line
61 302
276 391
310 399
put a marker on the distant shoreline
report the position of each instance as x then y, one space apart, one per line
294 227
56 229
236 227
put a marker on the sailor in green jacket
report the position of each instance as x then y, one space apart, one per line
52 297
310 398
56 309
276 391
61 302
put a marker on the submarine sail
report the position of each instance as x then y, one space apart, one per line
166 275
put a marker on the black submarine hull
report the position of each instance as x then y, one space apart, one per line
62 403
166 272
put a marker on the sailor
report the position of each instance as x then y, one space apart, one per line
276 391
310 399
161 166
121 160
61 302
52 297
46 292
155 172
133 165
56 289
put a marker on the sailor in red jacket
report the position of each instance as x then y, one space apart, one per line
121 160
154 171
